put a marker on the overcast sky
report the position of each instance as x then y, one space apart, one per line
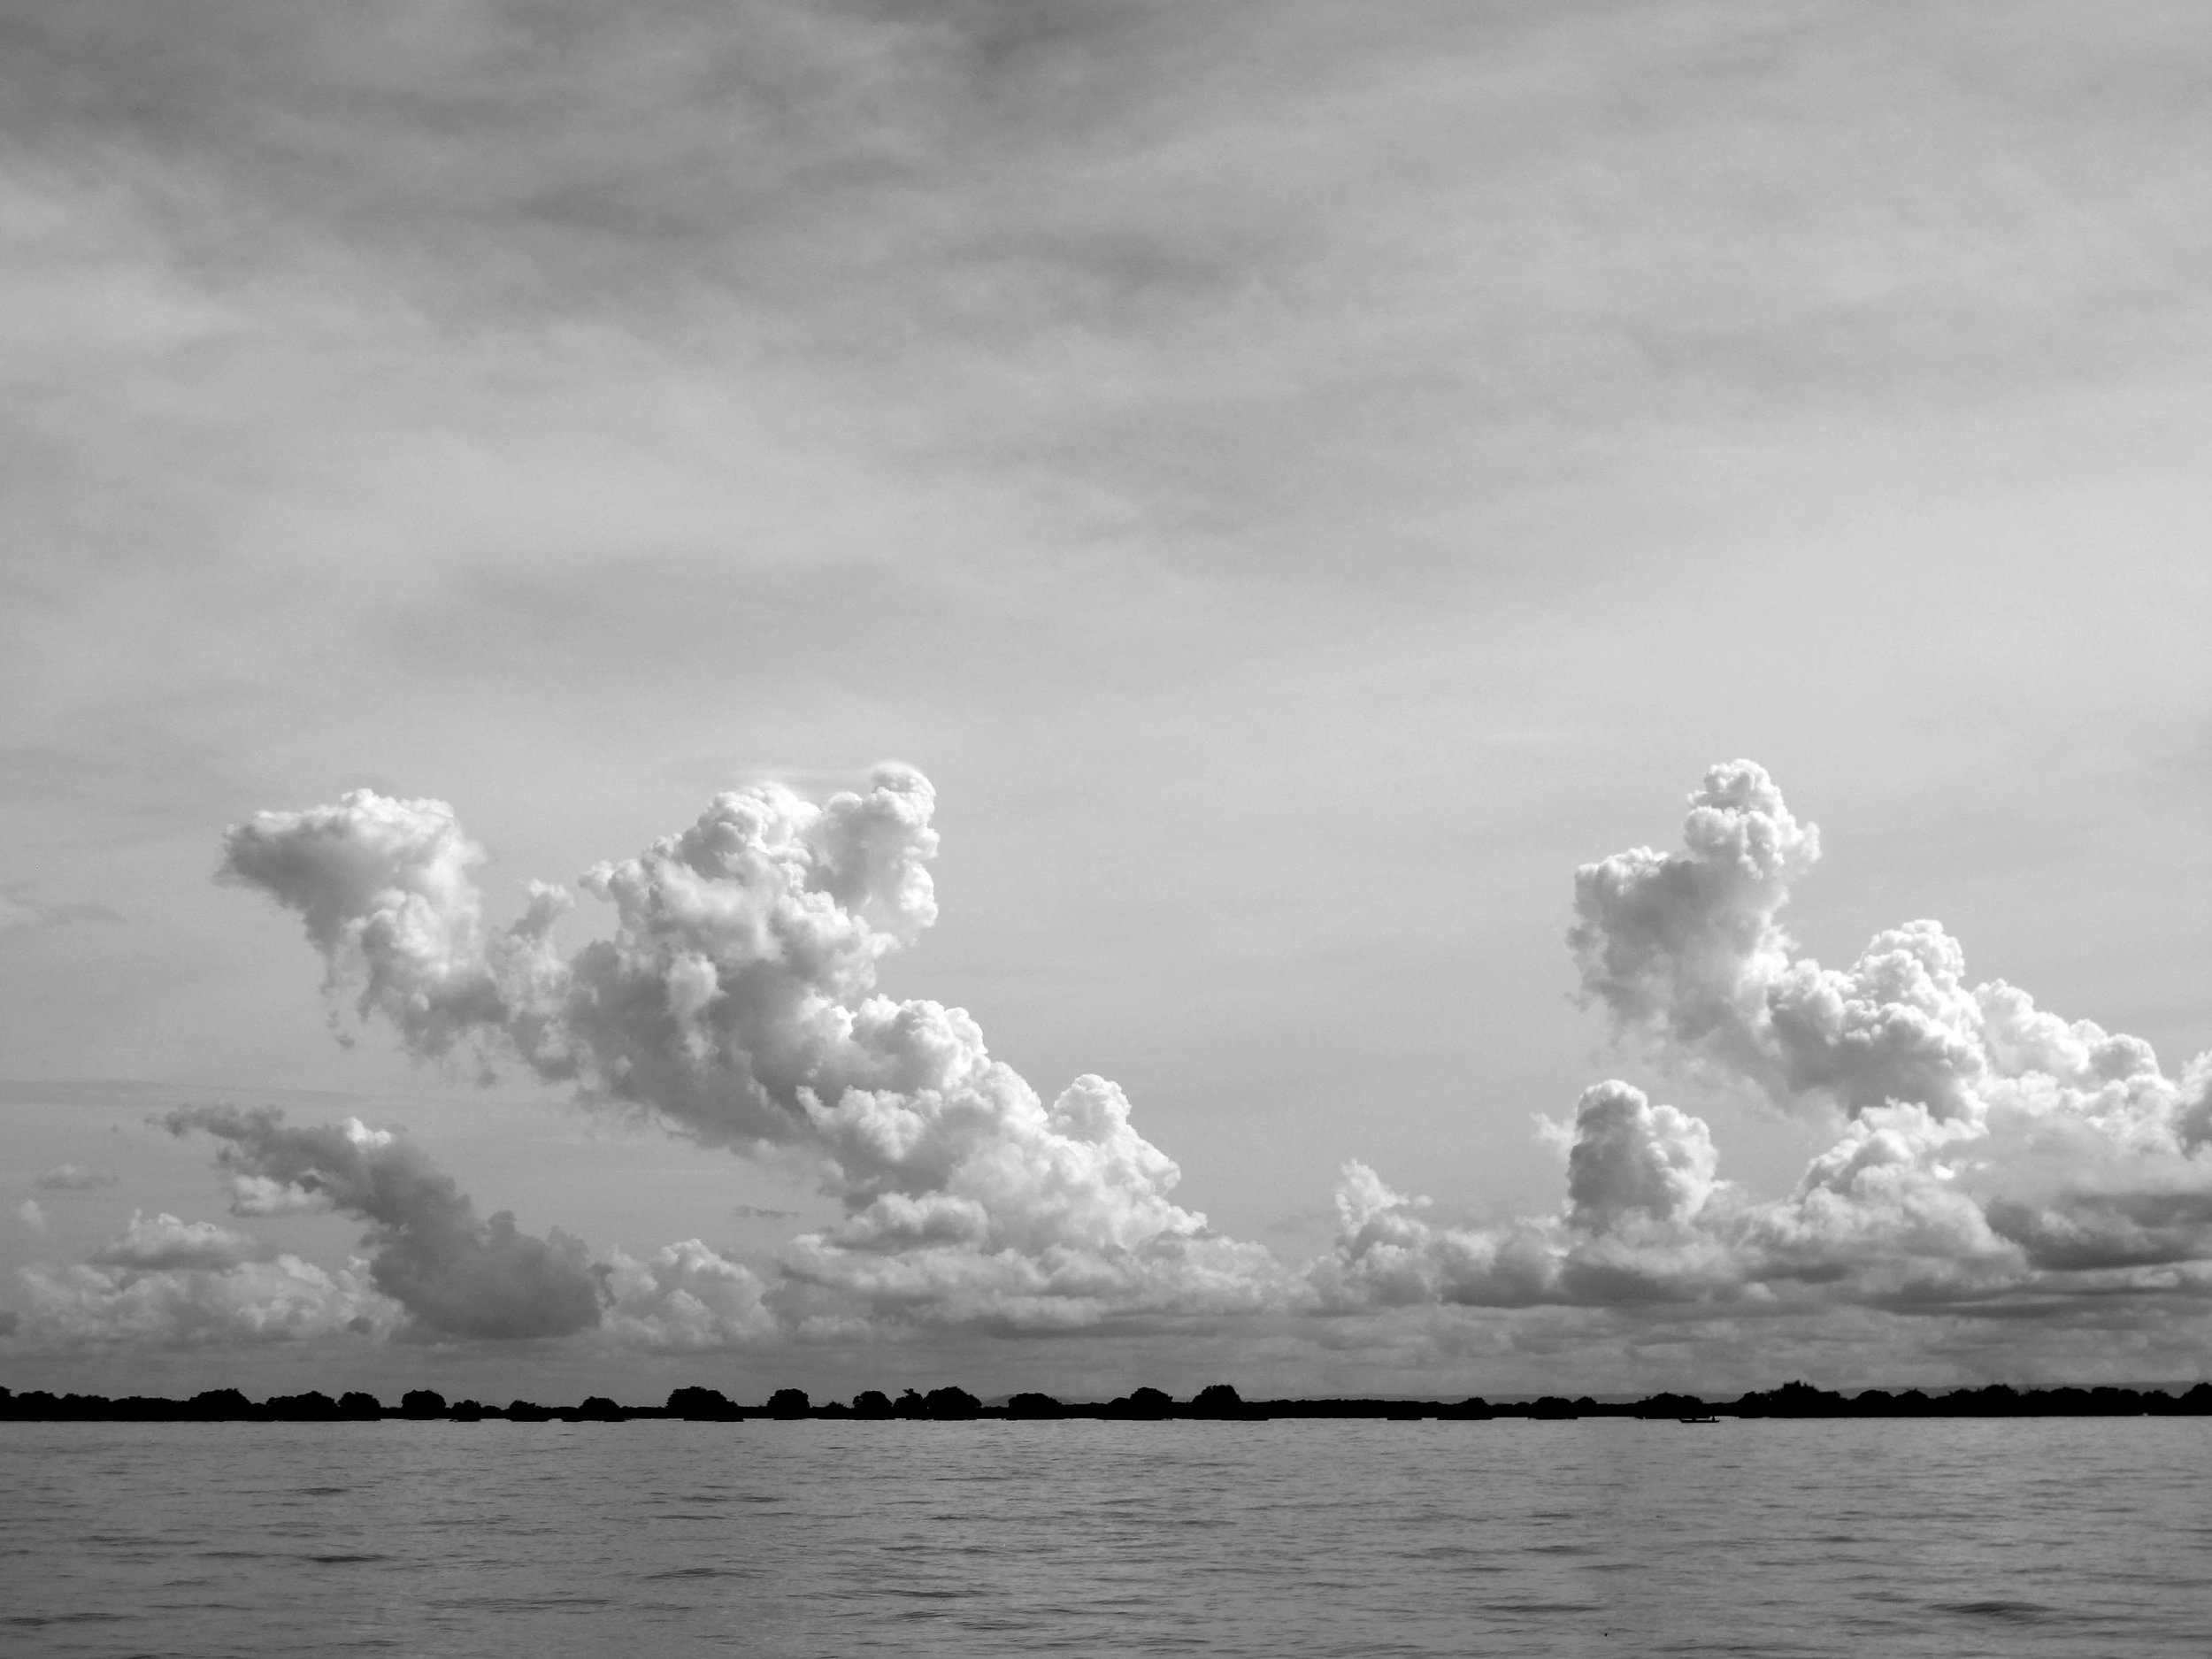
1299 480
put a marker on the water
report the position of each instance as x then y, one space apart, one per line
1772 1539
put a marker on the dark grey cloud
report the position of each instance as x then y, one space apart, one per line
455 1274
2093 1232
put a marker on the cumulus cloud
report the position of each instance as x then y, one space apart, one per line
455 1274
1680 946
736 1001
1688 954
162 1244
1992 1156
33 1217
385 889
1640 1186
435 1269
74 1178
281 1299
684 1297
163 1281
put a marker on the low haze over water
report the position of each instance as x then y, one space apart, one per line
1951 1537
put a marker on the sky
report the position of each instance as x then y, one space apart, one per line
1095 606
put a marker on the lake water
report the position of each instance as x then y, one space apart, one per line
1598 1537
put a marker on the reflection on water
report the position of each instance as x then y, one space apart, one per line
1950 1538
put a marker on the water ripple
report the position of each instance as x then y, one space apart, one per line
1277 1540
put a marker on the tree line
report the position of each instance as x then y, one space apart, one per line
1220 1401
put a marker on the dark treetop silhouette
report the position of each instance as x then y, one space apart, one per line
1219 1402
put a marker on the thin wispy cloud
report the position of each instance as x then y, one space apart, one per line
74 1178
21 906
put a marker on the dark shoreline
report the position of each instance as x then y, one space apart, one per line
1218 1404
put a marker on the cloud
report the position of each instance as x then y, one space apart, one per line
385 890
31 1216
280 1299
161 1243
455 1274
74 1178
1688 954
1640 1182
735 1001
168 1282
1631 1159
686 1297
21 909
435 1269
1992 1158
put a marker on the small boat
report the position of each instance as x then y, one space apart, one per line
1697 1420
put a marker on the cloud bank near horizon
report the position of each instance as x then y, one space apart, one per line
735 1001
1993 1159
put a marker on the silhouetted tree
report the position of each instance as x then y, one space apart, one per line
1998 1400
1669 1405
702 1405
1217 1400
1145 1403
788 1403
872 1402
217 1405
1792 1399
953 1402
311 1407
354 1403
1034 1405
422 1403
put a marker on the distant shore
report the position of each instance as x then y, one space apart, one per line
1218 1404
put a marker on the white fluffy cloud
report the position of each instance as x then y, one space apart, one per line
172 1283
1994 1158
1991 1157
1687 952
735 999
1640 1186
279 1299
686 1296
161 1243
